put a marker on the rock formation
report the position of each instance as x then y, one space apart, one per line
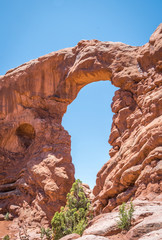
36 169
146 224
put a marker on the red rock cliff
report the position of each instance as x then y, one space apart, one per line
36 171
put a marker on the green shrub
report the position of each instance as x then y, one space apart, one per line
6 237
6 217
46 232
72 218
125 216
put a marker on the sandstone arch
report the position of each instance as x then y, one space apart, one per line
39 91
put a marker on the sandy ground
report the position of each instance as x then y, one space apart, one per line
4 229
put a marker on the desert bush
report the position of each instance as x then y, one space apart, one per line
72 218
125 216
6 237
46 233
6 217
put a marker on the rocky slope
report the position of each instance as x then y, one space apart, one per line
36 169
146 224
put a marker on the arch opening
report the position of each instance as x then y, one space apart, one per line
26 134
88 120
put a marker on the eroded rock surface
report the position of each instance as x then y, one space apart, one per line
146 223
36 170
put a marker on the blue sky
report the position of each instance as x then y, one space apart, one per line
32 28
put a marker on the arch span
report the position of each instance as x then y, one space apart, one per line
60 75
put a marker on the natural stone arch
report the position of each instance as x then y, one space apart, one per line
59 76
41 89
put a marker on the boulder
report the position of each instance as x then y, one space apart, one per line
70 237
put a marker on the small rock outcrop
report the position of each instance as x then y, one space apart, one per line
36 170
146 224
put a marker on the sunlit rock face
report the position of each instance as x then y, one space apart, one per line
36 171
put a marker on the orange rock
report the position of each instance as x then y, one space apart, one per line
36 171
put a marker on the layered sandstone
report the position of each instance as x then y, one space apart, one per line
36 169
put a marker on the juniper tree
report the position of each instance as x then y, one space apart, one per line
72 218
